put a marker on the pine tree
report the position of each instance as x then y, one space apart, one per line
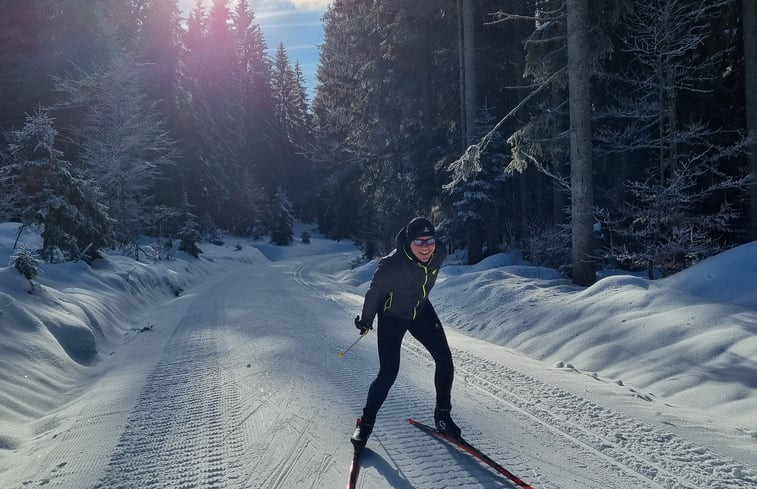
379 135
160 49
284 82
214 135
300 121
258 160
189 229
27 262
41 39
477 200
282 220
122 141
51 194
293 124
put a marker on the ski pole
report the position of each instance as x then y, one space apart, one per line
342 353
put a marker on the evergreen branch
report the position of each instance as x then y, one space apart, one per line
470 160
562 182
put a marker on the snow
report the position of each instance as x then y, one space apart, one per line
224 371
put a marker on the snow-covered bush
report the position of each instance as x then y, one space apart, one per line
548 246
27 262
189 238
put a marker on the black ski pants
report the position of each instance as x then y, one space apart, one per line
427 329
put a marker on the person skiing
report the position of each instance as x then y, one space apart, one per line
398 294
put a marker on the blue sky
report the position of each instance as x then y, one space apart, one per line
296 23
301 31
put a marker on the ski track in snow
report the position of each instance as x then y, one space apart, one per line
651 455
256 397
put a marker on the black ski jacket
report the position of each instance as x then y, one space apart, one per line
401 282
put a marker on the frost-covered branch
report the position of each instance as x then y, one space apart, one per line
469 162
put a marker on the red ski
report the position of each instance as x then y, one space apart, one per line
355 466
354 470
467 447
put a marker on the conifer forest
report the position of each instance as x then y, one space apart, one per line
582 134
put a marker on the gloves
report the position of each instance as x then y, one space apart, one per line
362 325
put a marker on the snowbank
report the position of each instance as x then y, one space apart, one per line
53 335
690 338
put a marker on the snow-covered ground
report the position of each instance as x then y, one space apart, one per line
223 372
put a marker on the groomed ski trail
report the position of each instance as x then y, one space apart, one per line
241 386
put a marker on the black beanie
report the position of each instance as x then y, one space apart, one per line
420 226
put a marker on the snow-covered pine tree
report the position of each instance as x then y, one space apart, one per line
477 199
293 122
215 159
258 163
48 191
26 261
300 116
122 136
282 219
159 47
283 85
189 229
382 138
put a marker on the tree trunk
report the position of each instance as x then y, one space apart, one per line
582 191
475 244
469 65
468 109
525 209
461 75
749 17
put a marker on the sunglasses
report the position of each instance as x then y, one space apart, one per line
421 242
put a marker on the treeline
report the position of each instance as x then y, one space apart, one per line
620 133
580 132
121 119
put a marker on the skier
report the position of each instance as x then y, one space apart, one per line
398 294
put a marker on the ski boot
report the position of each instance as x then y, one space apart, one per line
444 423
361 434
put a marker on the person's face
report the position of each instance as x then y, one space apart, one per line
423 247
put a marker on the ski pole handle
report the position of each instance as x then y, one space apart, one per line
342 353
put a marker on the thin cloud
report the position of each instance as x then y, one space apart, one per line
290 25
311 4
263 6
302 47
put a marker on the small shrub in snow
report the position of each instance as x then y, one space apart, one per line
26 261
548 246
189 236
305 237
189 245
168 250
